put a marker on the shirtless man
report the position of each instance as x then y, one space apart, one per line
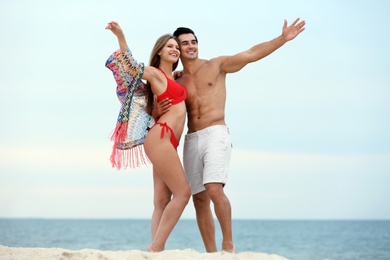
207 144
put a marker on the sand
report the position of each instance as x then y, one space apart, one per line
14 253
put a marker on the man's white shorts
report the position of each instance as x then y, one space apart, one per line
206 157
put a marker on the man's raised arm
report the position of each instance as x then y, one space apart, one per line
231 64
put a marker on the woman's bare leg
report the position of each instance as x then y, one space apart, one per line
162 196
167 163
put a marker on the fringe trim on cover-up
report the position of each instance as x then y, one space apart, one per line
127 157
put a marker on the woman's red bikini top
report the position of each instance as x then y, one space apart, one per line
176 92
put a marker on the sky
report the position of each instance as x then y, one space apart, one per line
309 123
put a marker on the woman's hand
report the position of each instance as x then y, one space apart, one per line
115 28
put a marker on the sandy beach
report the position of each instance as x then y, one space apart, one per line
13 253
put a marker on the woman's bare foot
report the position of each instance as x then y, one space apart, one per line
152 249
231 249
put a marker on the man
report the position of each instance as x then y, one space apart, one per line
207 144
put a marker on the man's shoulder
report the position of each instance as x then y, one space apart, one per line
217 59
213 62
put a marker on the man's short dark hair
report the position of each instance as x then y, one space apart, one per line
184 30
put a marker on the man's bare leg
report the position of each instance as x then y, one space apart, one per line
205 220
223 212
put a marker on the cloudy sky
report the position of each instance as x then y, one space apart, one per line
310 123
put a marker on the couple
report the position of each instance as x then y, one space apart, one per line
200 91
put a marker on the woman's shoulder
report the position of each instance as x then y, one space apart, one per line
157 79
151 73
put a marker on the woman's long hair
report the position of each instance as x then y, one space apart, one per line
155 62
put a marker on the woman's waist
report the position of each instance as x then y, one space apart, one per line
176 113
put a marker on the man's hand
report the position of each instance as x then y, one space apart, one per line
177 74
292 31
160 108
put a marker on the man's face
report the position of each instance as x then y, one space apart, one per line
188 46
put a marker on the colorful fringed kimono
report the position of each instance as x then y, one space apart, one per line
133 120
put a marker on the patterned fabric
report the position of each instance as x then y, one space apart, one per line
133 121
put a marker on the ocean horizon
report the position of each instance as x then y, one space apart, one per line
293 239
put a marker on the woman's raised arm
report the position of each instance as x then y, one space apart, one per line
117 30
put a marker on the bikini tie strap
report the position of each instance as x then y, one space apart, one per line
165 127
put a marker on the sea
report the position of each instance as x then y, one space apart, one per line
293 239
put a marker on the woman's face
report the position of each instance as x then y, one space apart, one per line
170 51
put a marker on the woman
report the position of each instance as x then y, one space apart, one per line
163 138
